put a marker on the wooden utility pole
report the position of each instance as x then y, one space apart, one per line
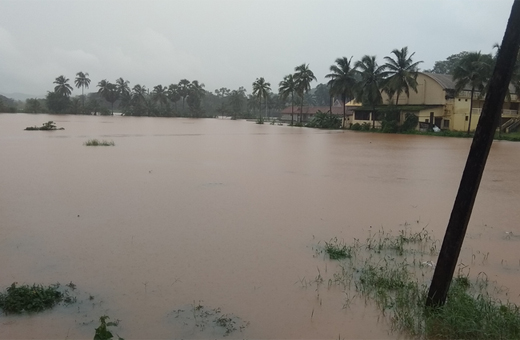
476 161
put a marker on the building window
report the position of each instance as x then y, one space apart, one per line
466 118
362 115
446 123
426 120
465 100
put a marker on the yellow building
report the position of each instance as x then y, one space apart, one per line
436 102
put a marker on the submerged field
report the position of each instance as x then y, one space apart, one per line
192 228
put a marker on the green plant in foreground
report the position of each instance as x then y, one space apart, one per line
96 142
102 332
337 249
394 272
31 299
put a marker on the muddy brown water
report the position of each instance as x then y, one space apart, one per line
225 214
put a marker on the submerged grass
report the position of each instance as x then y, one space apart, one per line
337 249
97 142
32 299
394 272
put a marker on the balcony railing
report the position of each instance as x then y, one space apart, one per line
505 112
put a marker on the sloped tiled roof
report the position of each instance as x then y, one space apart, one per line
447 83
313 109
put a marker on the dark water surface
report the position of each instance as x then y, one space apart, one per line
225 214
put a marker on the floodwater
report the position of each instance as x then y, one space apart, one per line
225 214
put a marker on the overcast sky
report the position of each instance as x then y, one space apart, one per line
227 43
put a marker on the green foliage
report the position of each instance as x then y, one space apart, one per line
96 142
30 299
337 249
410 122
447 66
394 271
50 125
355 127
365 126
325 120
56 102
260 120
102 332
390 120
33 105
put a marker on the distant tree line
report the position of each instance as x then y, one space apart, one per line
364 80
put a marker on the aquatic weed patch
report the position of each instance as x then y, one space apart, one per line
337 249
97 142
393 270
32 299
102 332
205 321
50 125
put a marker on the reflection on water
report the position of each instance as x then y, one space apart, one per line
226 213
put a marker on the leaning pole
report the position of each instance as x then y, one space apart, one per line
476 161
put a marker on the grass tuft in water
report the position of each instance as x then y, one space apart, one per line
102 332
96 142
337 249
31 299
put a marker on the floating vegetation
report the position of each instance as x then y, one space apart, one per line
209 322
394 272
97 142
50 125
102 332
32 299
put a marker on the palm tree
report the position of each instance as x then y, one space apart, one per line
108 91
183 90
343 80
82 81
303 78
195 93
368 90
473 70
160 95
401 73
138 99
173 94
123 89
287 87
261 89
235 100
62 87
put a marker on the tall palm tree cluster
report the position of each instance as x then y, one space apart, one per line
363 80
138 101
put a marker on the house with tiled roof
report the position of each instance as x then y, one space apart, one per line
437 103
308 112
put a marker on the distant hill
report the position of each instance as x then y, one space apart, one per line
7 101
20 96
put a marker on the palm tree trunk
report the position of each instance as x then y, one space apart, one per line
470 109
265 106
344 111
292 109
373 117
301 111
